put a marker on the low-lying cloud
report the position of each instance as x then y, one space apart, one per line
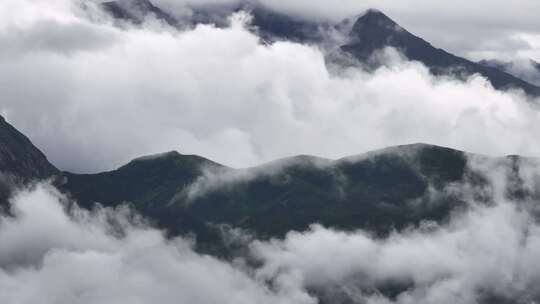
478 30
54 252
220 178
525 69
107 256
488 253
484 255
101 95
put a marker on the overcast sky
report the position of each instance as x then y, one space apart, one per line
93 96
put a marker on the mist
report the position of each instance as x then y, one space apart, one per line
112 94
54 252
93 93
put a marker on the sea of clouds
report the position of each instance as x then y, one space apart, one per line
93 95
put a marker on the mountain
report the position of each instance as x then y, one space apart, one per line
528 69
378 191
153 179
20 161
374 30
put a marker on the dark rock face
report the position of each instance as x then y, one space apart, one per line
20 161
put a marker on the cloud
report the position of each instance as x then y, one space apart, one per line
220 93
54 252
483 255
466 29
528 70
104 95
55 37
219 178
524 69
50 255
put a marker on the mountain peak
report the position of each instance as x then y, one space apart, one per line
375 20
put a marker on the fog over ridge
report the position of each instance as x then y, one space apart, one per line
449 219
483 254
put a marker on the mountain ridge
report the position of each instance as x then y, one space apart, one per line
374 31
345 193
379 191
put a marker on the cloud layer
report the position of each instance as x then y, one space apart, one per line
478 30
106 95
485 255
50 256
54 252
93 96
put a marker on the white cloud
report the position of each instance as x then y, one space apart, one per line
468 29
524 69
53 254
487 251
213 178
221 94
50 256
